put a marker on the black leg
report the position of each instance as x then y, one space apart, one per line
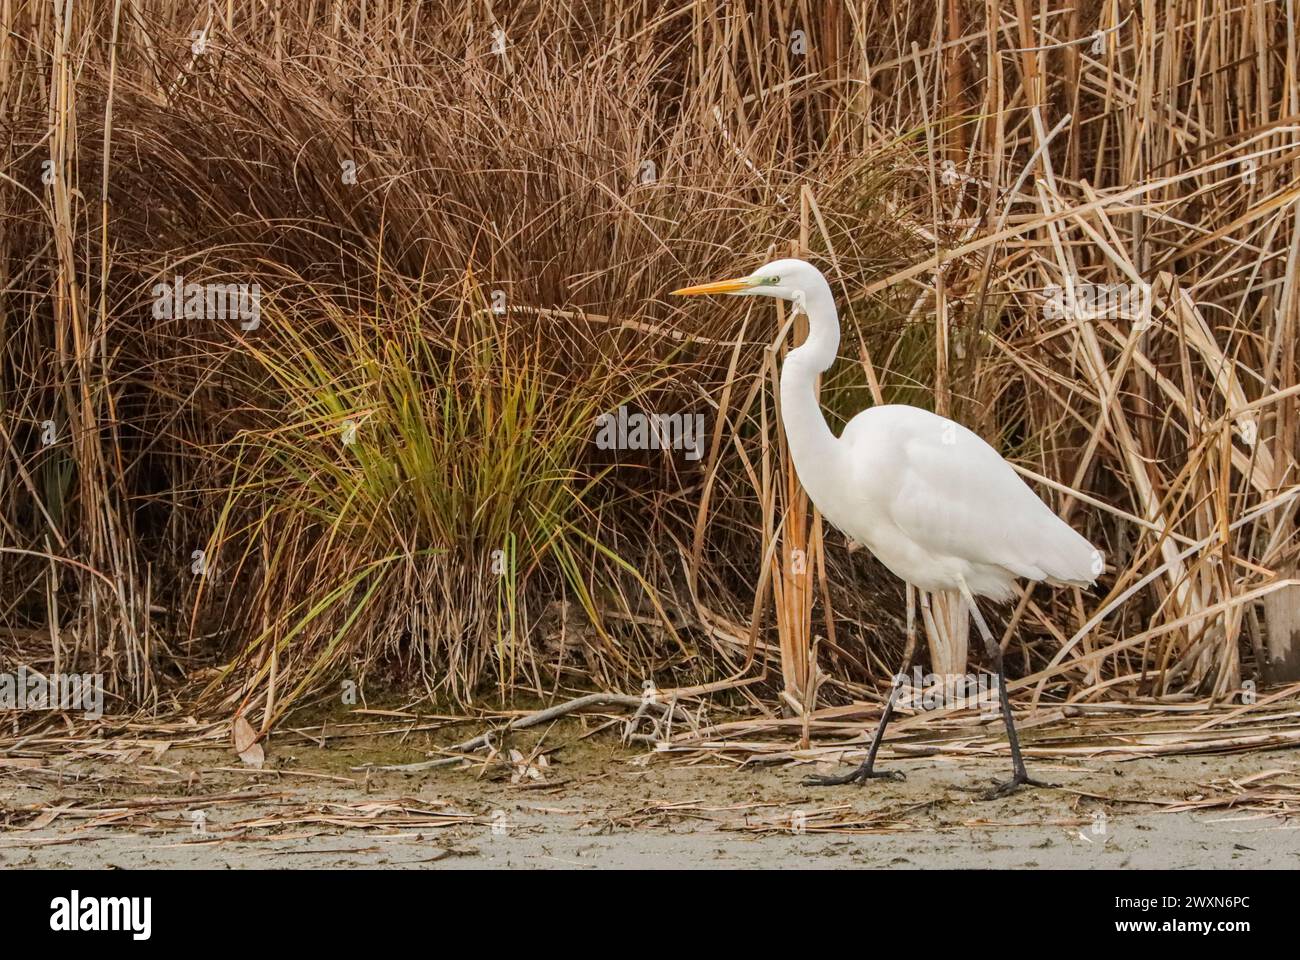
867 771
1019 775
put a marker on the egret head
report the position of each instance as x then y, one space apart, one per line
794 280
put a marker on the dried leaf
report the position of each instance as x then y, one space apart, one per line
246 745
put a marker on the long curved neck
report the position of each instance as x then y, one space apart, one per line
812 445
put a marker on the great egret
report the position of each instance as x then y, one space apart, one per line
936 504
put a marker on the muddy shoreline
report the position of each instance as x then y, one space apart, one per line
595 802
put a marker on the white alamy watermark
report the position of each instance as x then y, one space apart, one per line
934 691
652 431
1099 301
179 300
75 913
31 690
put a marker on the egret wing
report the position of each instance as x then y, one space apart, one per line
955 496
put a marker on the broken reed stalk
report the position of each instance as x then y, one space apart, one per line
801 546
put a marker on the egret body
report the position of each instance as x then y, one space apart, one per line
939 507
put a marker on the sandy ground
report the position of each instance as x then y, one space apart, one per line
600 804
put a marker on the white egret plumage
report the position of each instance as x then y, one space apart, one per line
938 506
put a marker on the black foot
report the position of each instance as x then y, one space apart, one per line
1008 787
859 776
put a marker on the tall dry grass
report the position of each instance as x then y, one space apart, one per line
463 220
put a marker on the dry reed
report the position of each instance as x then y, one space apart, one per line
462 223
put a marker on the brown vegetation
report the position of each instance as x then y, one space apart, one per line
393 470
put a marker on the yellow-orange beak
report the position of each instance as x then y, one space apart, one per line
721 286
